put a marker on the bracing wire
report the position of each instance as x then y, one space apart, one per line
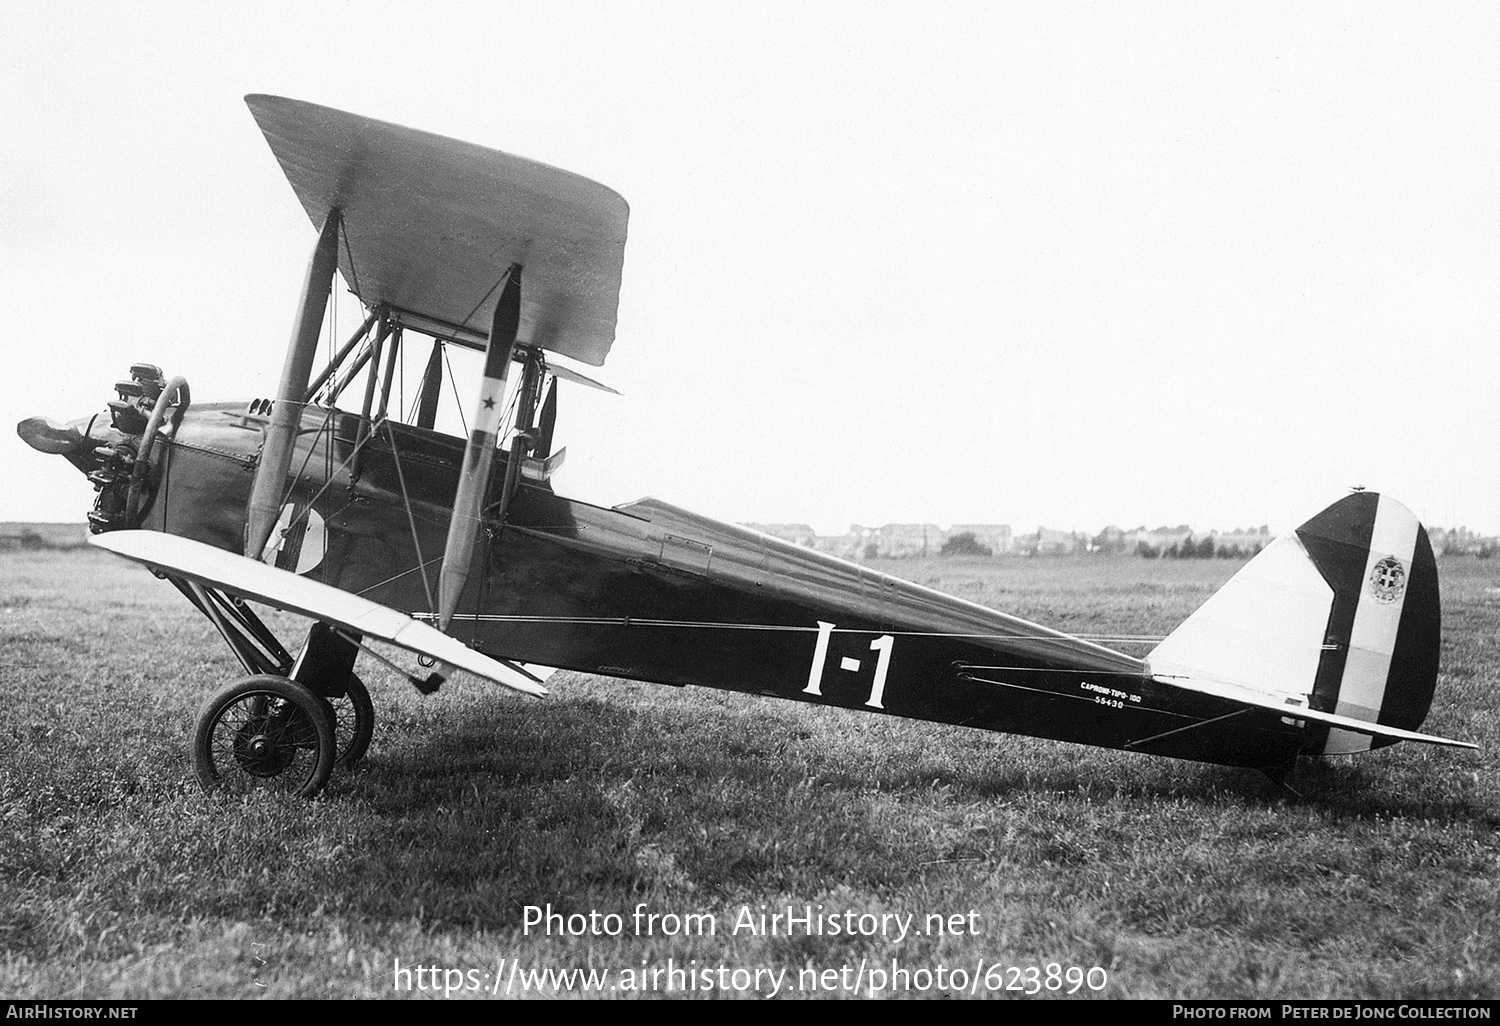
410 518
312 447
453 387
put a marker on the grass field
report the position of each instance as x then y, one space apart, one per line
119 878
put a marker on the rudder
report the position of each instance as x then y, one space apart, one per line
1384 630
1340 616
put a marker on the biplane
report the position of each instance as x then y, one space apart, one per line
334 501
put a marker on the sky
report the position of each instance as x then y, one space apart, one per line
1039 264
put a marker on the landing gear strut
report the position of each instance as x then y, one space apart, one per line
326 666
285 727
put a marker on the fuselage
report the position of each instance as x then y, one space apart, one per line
652 592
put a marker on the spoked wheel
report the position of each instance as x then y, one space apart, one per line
353 723
264 733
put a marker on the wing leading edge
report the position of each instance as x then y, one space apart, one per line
182 557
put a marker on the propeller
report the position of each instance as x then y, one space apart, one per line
47 435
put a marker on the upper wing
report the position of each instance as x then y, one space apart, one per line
431 224
217 568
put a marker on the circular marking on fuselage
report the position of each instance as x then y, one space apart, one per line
307 550
314 544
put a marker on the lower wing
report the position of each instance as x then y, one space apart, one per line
180 557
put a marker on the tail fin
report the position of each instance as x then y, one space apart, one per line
1340 616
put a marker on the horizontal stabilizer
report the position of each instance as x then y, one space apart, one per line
181 557
1259 700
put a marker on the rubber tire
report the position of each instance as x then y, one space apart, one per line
300 728
351 749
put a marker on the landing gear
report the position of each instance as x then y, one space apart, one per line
265 733
288 725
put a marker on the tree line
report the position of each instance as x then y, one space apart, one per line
1200 548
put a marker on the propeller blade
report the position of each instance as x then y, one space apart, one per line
544 427
47 435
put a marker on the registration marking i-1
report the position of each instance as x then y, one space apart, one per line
882 645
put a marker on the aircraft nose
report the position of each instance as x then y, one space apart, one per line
50 436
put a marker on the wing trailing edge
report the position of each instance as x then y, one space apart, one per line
182 557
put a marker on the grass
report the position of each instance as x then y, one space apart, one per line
119 878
